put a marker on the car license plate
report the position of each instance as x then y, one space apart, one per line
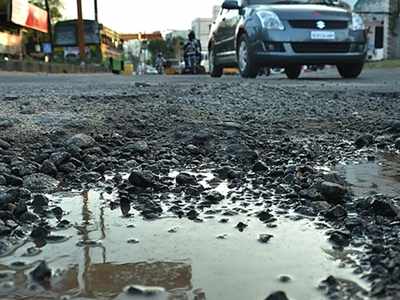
323 35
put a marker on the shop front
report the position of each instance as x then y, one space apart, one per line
23 30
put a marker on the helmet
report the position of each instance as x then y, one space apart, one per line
192 35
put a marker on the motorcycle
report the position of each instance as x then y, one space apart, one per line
160 65
160 69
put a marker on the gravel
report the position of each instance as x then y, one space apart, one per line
277 136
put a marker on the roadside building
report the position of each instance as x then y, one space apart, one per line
142 36
136 49
176 34
201 27
215 12
382 20
22 30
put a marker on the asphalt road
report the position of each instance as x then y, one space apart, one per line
371 80
34 102
280 139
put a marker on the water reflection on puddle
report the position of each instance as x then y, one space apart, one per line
381 176
111 251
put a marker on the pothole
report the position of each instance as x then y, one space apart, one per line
113 247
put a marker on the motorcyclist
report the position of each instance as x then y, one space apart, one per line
160 63
192 48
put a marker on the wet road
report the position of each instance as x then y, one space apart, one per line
250 217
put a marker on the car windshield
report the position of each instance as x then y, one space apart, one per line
326 2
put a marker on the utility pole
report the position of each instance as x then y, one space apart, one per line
49 26
80 30
96 11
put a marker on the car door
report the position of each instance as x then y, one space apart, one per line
231 23
218 29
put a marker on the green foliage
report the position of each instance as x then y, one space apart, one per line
3 5
174 44
56 8
156 47
176 47
171 48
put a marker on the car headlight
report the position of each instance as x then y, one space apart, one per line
270 20
357 22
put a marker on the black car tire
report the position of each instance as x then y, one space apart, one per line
350 71
215 69
293 72
250 70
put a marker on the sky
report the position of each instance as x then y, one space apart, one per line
129 16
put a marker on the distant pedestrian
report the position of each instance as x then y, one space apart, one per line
160 63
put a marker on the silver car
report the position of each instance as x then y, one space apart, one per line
255 34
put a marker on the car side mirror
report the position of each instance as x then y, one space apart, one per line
230 5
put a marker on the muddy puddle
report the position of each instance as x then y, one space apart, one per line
380 176
107 249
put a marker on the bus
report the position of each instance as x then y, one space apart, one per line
102 45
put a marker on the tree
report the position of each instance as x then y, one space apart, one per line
55 6
155 47
175 47
171 48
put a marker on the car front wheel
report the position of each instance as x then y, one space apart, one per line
349 71
247 64
215 69
293 72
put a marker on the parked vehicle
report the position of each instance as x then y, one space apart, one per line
150 70
103 45
254 34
